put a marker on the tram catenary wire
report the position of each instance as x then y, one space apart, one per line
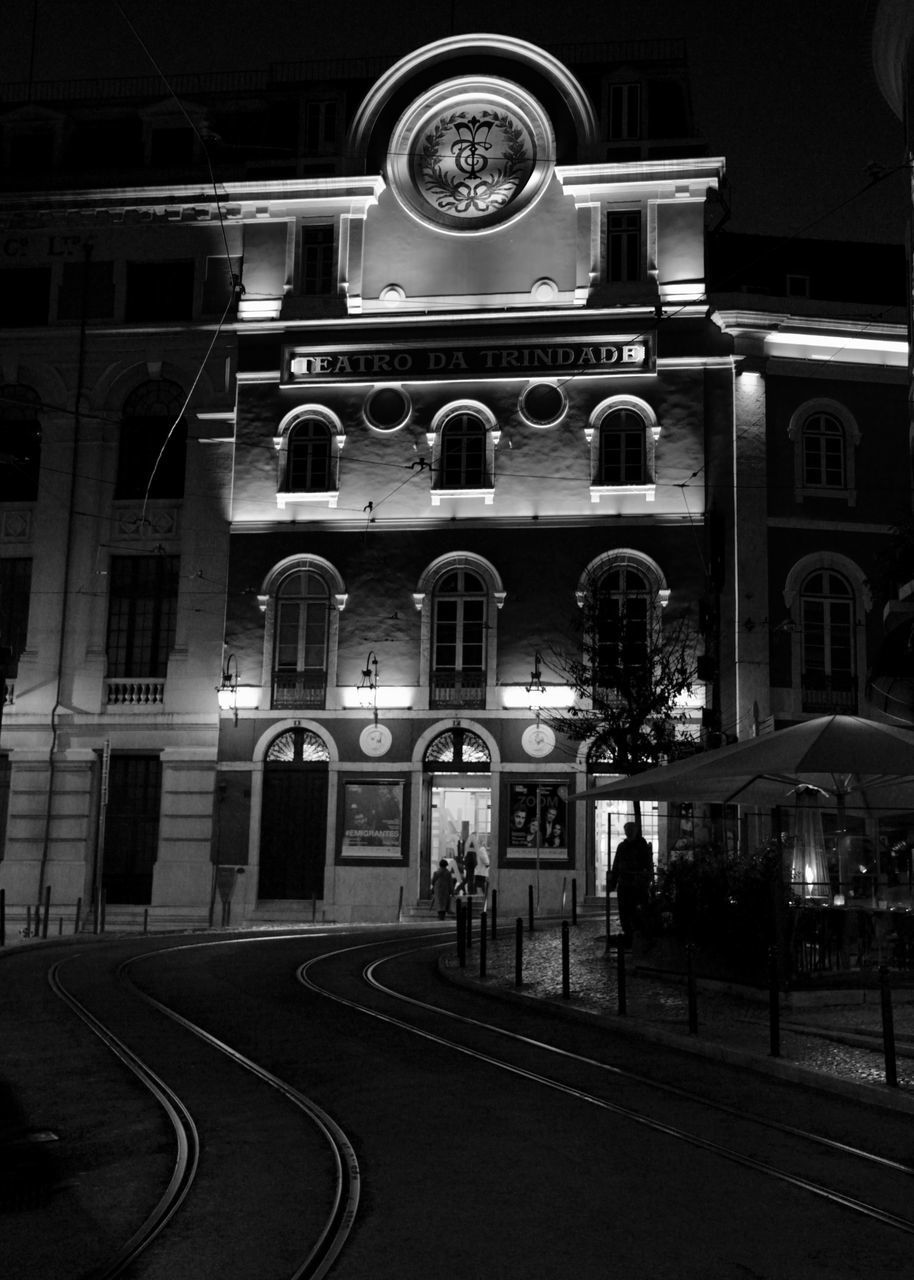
762 1167
332 1238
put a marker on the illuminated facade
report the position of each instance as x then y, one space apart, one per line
328 463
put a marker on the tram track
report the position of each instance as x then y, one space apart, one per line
832 1147
316 1259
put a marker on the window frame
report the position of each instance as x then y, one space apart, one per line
599 426
143 621
798 435
800 698
444 426
267 599
425 599
285 442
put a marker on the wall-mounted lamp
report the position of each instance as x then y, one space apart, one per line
227 689
367 688
536 689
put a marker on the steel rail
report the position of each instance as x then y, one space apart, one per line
829 1194
187 1140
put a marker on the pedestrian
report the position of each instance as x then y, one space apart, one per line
632 874
442 886
470 860
482 871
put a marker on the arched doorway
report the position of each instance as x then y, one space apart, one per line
293 824
457 766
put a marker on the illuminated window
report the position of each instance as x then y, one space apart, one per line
302 611
460 607
623 246
317 259
308 457
462 453
829 674
20 443
142 614
153 440
621 458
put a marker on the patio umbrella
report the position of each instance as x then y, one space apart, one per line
855 763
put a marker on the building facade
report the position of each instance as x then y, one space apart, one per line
310 478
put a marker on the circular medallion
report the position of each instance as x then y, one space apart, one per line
471 155
375 740
538 740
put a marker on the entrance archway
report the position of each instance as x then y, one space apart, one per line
457 767
293 824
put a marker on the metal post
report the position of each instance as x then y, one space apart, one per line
145 919
774 1004
564 894
104 909
461 937
574 900
2 917
692 991
400 906
530 906
60 926
47 910
566 979
28 922
79 911
608 916
888 1027
482 945
313 907
494 896
620 974
469 920
518 952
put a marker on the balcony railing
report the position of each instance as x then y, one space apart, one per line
825 694
135 692
299 690
458 689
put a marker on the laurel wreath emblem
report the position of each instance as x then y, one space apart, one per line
480 191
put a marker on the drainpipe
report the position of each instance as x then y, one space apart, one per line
68 555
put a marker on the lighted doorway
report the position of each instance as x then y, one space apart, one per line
610 817
459 796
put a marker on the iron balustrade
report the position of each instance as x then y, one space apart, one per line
458 689
299 690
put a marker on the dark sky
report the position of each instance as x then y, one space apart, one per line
783 88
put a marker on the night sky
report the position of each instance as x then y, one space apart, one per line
783 89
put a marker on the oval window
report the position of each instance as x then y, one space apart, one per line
387 408
542 404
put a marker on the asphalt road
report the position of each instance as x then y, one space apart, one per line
479 1153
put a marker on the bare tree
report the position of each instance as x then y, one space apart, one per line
630 668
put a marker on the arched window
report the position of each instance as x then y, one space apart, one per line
623 608
823 452
309 458
457 750
153 442
297 746
827 624
622 452
302 611
462 454
20 443
459 612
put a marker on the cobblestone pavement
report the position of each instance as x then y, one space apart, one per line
836 1043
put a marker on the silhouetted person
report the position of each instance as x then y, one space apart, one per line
631 875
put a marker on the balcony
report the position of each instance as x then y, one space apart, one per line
829 694
124 692
299 690
458 689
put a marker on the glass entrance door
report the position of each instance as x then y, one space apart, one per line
460 813
610 817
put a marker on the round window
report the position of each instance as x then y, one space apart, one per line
542 404
387 408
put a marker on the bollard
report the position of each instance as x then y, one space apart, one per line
564 894
28 922
47 910
774 1004
482 945
519 952
888 1027
574 900
620 974
60 926
608 918
566 977
104 901
400 906
2 917
494 912
469 922
145 919
530 905
313 907
692 990
461 936
77 922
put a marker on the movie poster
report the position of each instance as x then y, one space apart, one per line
372 819
537 821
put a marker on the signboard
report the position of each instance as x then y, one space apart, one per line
476 360
537 828
372 819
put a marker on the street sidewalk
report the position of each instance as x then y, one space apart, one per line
836 1046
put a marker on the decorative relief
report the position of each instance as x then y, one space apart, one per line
16 526
157 522
473 164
